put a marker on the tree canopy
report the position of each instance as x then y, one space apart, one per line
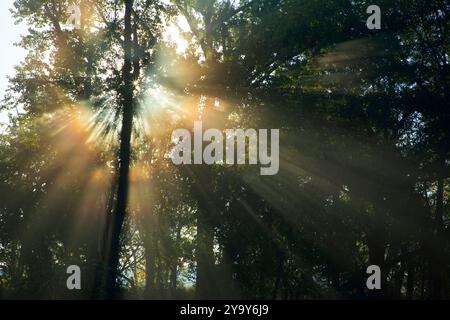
364 178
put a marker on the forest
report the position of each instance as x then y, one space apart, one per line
86 176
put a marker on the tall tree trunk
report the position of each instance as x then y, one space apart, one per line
124 159
203 191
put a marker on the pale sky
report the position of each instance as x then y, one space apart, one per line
10 55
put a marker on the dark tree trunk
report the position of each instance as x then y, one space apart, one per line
112 258
203 192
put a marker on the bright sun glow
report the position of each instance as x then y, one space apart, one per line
174 34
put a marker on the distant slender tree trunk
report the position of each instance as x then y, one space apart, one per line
440 207
118 217
150 266
424 269
410 282
205 256
174 268
396 291
87 83
436 261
